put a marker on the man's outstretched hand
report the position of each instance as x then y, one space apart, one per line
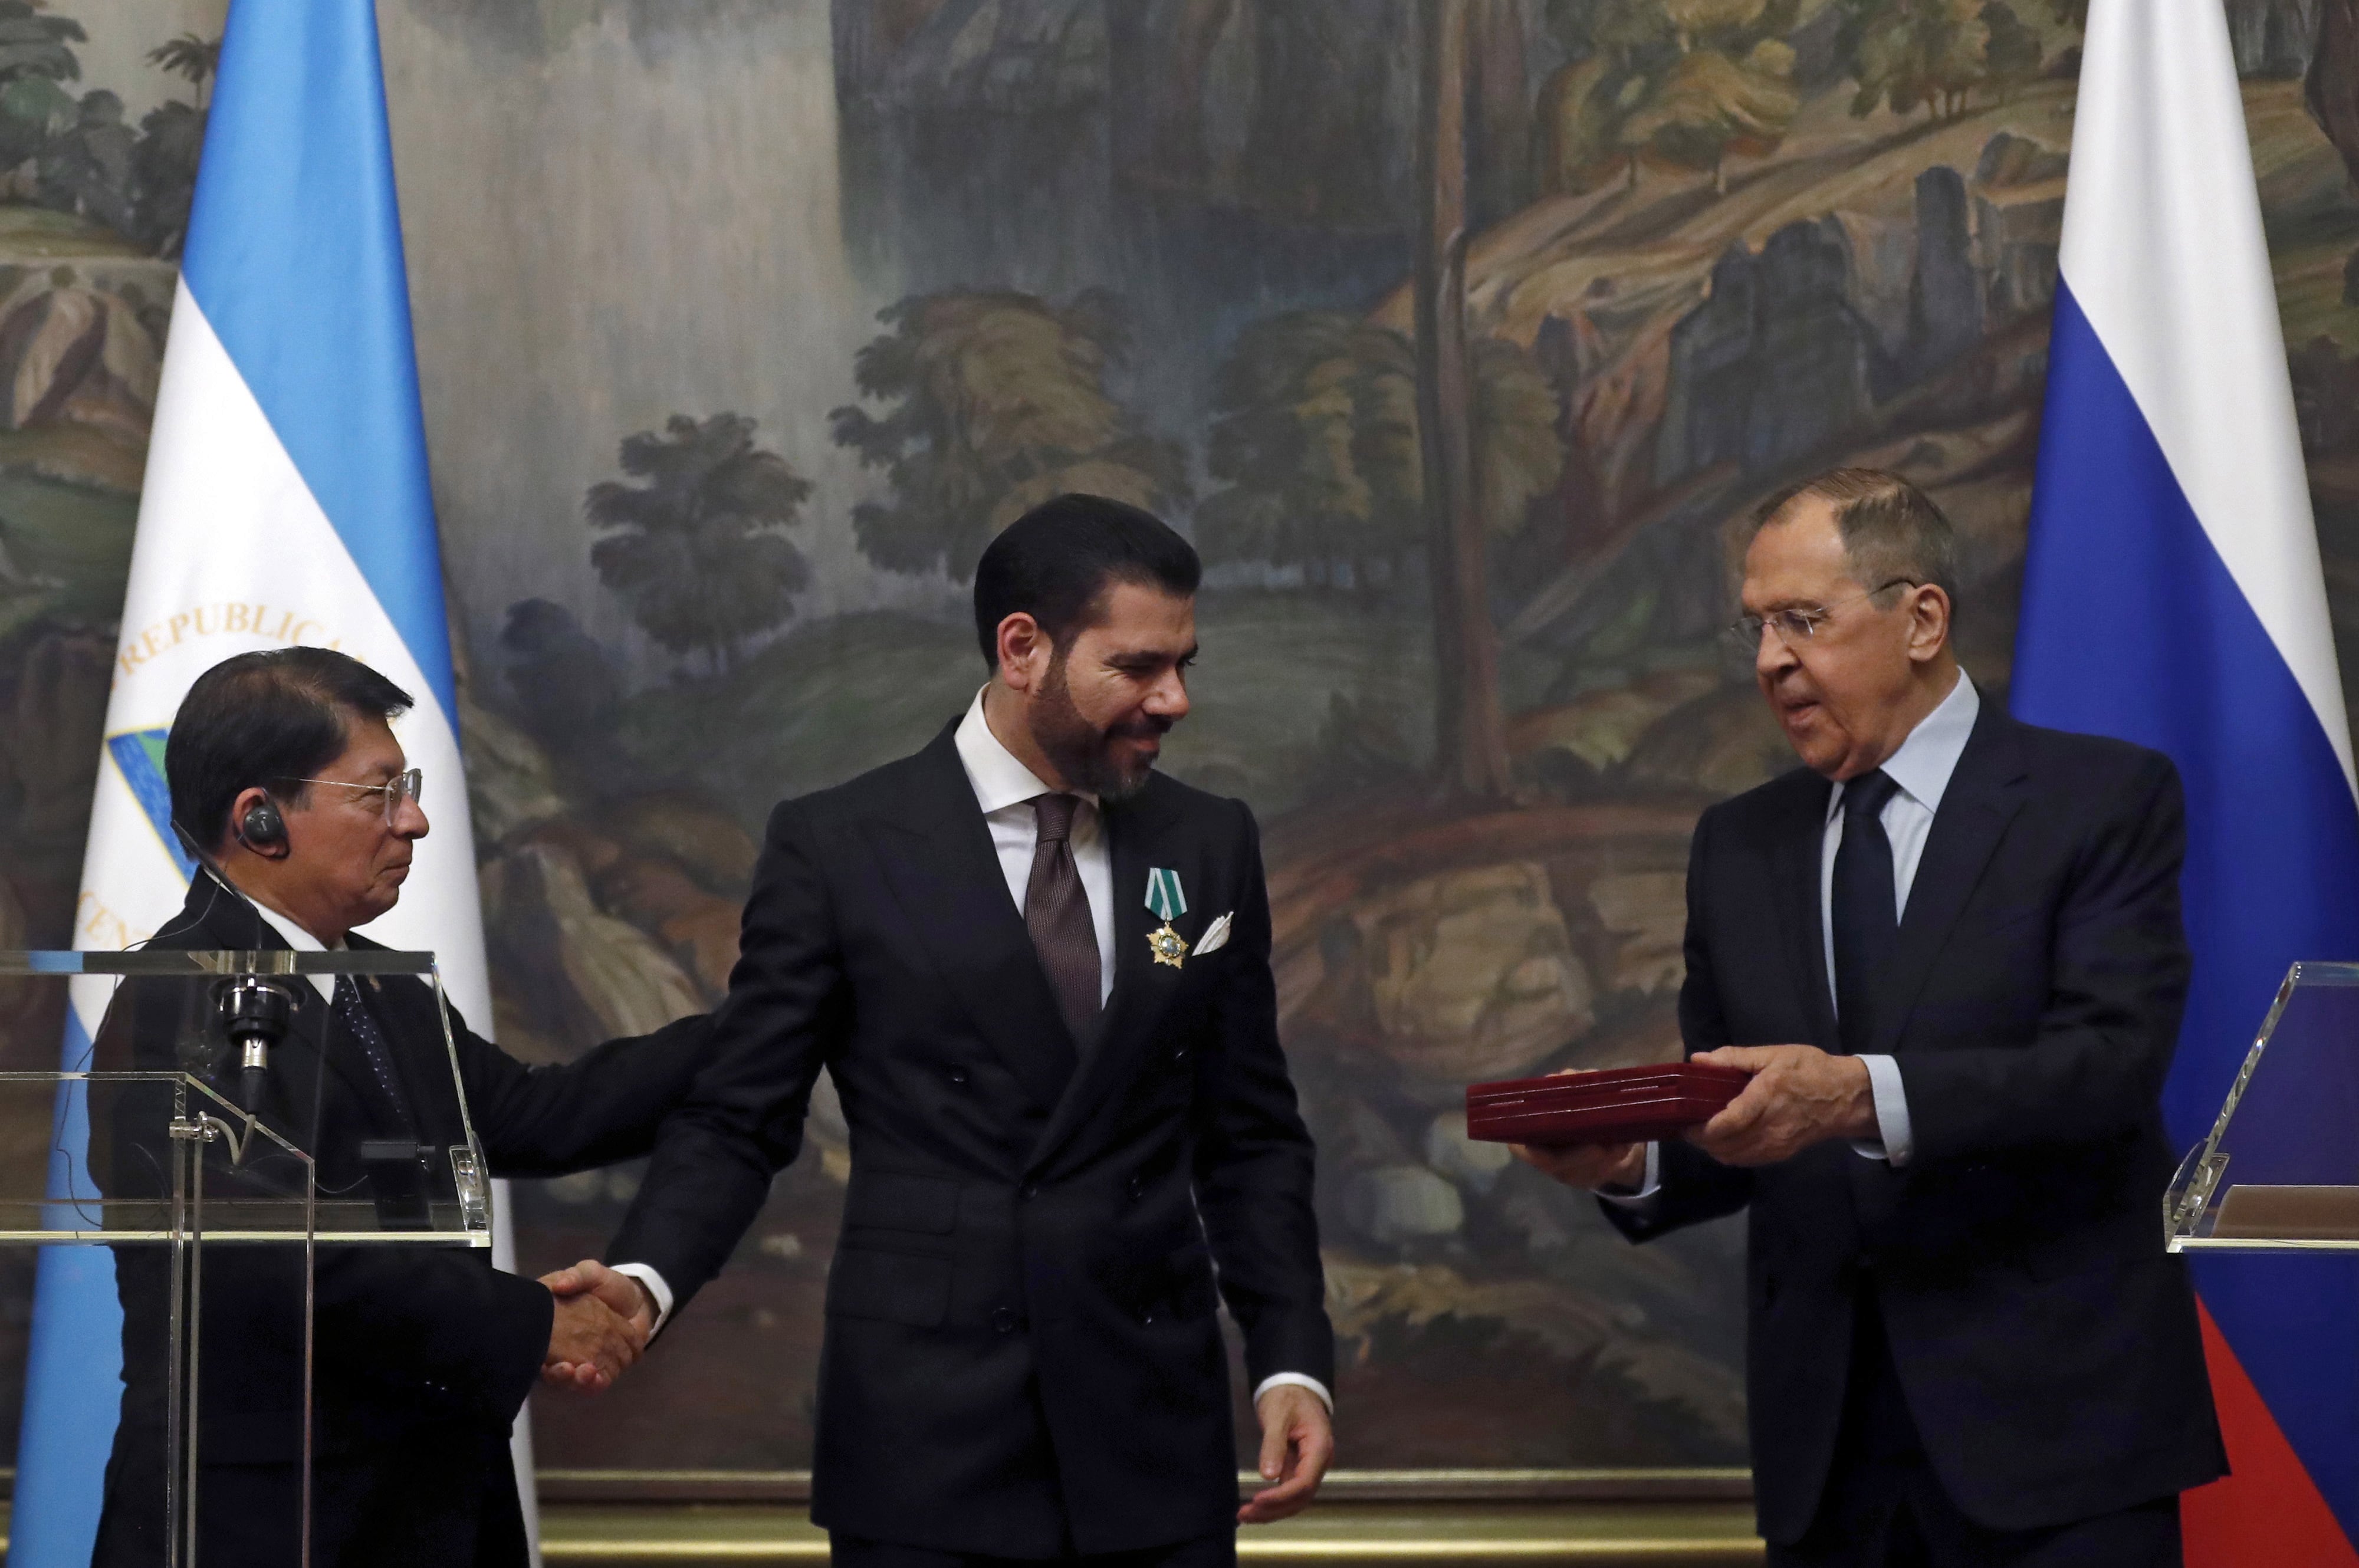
1298 1440
1799 1096
601 1326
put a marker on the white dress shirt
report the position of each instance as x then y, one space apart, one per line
1922 767
296 938
1005 790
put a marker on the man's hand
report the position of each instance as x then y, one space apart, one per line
1800 1097
1596 1165
617 1296
1298 1440
1599 1167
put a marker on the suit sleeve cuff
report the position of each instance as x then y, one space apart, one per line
1648 1188
1297 1380
645 1274
1894 1142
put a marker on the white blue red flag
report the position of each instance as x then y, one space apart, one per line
2172 596
287 501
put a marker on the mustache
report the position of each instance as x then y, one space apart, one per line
1145 726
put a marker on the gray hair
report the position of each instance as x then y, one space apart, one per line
1890 528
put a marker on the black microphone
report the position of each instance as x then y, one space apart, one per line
254 1011
254 1014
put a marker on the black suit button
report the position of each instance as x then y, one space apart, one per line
1179 1056
1030 1191
958 1075
1137 1185
1004 1319
1147 1320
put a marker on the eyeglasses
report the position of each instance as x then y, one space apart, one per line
409 786
1802 623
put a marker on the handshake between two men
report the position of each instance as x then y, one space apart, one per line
601 1323
1038 973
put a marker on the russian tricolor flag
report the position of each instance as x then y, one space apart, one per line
287 500
2172 596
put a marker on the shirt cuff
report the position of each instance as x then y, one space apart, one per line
1894 1143
1648 1188
645 1273
1297 1380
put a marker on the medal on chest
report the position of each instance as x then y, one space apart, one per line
1165 899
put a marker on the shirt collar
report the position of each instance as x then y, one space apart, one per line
998 778
295 936
1928 757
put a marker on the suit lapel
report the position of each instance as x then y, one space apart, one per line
944 872
1983 795
1140 834
1799 854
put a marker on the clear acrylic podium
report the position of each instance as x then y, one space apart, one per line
2280 1170
222 1129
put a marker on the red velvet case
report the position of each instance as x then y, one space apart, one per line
1621 1104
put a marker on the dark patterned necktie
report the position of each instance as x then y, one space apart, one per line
1867 915
362 1025
1057 913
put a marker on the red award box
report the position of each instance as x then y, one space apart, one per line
1621 1104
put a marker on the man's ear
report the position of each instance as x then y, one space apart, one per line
1928 623
1025 652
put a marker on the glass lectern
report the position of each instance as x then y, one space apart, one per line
2280 1170
231 1127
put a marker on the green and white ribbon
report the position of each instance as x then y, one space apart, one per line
1164 896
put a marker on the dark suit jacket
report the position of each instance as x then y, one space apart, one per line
423 1355
2046 1345
1023 1355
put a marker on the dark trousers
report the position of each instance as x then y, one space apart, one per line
1883 1507
1215 1550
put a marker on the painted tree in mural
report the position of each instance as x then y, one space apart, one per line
33 61
1315 434
171 137
1909 54
2012 55
192 55
1712 102
694 549
998 402
1683 81
1470 727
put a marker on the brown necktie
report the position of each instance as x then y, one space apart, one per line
1057 913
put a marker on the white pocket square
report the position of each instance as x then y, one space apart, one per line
1215 937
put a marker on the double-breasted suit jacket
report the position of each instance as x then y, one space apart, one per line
1022 1356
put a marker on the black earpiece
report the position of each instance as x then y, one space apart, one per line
263 829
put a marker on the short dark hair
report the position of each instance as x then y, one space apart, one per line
264 719
1056 562
1890 528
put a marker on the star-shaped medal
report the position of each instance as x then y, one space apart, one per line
1167 945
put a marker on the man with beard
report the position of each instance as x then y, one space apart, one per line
1039 974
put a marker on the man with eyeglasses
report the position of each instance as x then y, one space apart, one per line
290 788
1948 949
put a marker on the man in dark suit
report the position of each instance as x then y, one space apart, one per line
1966 1344
1039 974
288 779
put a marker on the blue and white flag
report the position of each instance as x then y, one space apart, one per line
2172 596
287 501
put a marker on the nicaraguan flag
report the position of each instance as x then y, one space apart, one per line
285 501
2172 596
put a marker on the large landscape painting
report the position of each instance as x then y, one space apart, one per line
1455 332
